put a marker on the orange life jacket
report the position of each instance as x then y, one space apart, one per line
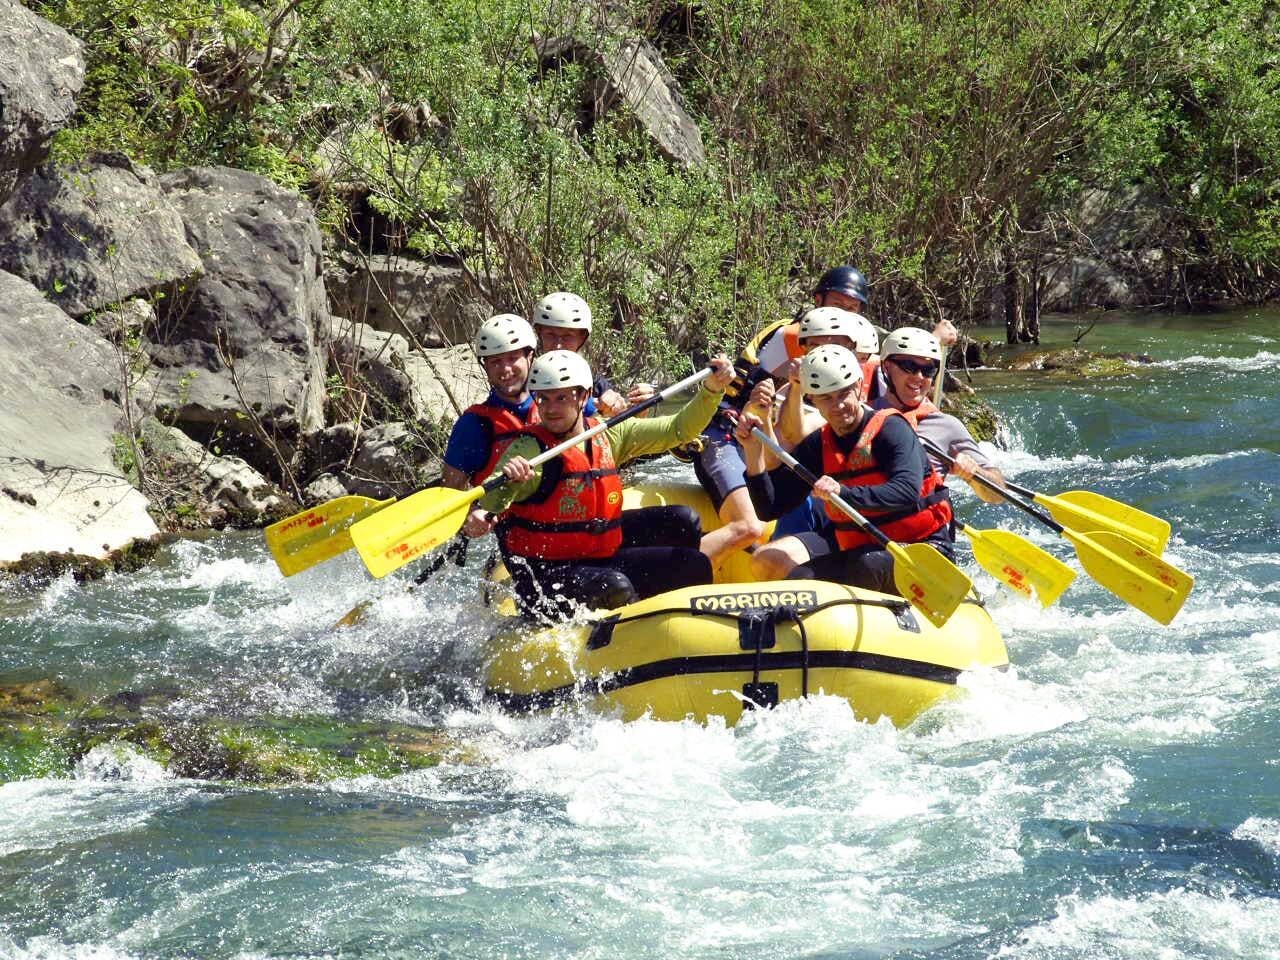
578 517
858 468
868 376
503 425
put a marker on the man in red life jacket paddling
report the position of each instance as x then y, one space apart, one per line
871 459
561 527
505 345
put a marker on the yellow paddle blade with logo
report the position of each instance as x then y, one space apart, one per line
300 542
1087 511
1133 573
929 581
389 539
1020 565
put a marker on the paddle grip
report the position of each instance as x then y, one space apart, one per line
1005 491
807 475
658 397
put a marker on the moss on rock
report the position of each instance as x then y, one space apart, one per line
45 728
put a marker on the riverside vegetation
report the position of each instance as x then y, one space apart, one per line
687 167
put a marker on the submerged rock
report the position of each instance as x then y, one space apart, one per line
49 730
1070 363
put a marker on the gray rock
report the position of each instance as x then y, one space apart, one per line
400 383
324 487
94 235
240 351
41 72
631 73
391 462
229 486
1108 252
59 487
428 303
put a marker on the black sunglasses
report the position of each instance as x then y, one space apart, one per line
929 369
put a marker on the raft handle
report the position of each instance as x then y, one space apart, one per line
602 632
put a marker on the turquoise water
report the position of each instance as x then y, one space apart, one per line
1115 794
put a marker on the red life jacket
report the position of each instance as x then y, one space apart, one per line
868 376
503 425
858 468
578 517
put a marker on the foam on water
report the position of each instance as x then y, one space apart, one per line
1262 360
1160 926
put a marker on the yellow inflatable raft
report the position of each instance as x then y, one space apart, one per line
716 650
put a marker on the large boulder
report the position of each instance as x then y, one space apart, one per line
41 71
60 489
395 382
237 356
1110 252
220 491
629 74
431 304
95 235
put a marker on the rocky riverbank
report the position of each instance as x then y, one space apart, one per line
188 350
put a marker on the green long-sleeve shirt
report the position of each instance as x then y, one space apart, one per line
628 440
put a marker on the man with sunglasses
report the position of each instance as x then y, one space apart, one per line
561 528
910 359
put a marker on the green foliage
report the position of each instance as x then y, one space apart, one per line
920 140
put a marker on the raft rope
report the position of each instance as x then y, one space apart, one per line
752 623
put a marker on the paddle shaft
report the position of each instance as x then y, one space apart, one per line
1004 491
497 480
807 475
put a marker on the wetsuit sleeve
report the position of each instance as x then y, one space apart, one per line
902 460
498 500
777 492
640 437
469 443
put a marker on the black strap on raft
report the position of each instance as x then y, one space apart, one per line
756 632
456 550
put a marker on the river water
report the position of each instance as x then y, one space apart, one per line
1115 794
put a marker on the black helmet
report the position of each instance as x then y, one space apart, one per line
846 280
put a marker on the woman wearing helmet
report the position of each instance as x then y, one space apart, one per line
872 460
504 344
562 321
561 527
911 359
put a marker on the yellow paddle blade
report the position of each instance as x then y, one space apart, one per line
313 536
932 583
1087 511
1020 565
389 539
1133 573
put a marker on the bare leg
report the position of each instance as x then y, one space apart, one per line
741 527
776 560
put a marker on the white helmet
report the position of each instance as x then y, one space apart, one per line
911 342
563 310
865 339
502 334
559 369
829 368
826 322
834 322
